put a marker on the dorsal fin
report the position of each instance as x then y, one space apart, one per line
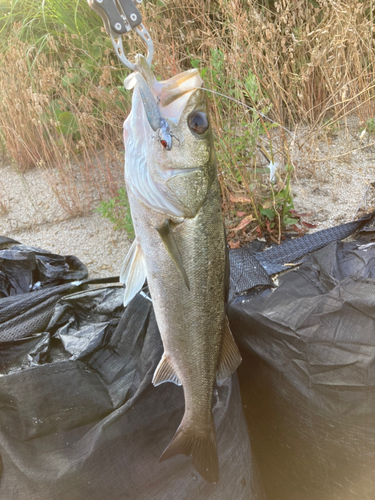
133 272
165 372
170 244
230 358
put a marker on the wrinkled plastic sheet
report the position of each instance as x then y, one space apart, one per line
81 420
308 376
24 269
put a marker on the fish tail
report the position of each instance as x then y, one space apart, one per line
201 446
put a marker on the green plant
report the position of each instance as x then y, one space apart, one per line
278 209
370 126
62 101
117 211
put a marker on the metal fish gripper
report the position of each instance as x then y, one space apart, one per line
119 17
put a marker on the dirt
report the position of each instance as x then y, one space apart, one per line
35 218
335 179
334 188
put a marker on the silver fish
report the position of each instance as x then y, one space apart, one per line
180 247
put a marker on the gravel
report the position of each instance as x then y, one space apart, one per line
35 218
335 180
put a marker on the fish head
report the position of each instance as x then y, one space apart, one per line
170 157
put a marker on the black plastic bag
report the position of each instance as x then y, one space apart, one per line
24 268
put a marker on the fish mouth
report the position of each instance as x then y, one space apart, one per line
169 96
176 92
177 86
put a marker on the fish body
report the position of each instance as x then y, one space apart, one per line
180 247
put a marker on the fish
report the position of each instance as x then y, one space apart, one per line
180 248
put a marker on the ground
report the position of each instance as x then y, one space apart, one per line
35 218
333 183
335 176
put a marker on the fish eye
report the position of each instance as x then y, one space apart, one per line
198 122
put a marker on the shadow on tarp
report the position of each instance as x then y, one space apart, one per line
80 419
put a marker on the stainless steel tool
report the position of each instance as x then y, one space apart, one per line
119 17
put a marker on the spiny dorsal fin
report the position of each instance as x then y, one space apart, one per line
170 244
165 372
230 356
133 272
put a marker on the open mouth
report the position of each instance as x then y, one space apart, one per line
173 94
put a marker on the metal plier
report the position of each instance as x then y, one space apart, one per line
121 16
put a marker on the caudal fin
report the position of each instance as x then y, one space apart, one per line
201 446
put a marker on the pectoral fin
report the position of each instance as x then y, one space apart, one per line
133 272
165 372
170 244
230 356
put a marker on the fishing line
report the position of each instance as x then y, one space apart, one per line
246 106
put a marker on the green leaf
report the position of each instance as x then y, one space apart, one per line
288 221
287 207
68 123
117 211
267 212
195 63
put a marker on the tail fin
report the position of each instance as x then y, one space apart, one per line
201 446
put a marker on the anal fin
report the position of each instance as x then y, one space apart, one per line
170 244
133 272
165 372
230 358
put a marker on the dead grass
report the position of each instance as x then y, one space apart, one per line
57 117
302 64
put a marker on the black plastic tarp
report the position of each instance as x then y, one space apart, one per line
24 269
308 376
80 419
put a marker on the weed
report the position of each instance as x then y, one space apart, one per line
370 126
117 211
62 104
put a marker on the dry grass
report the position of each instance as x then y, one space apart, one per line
55 116
307 63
